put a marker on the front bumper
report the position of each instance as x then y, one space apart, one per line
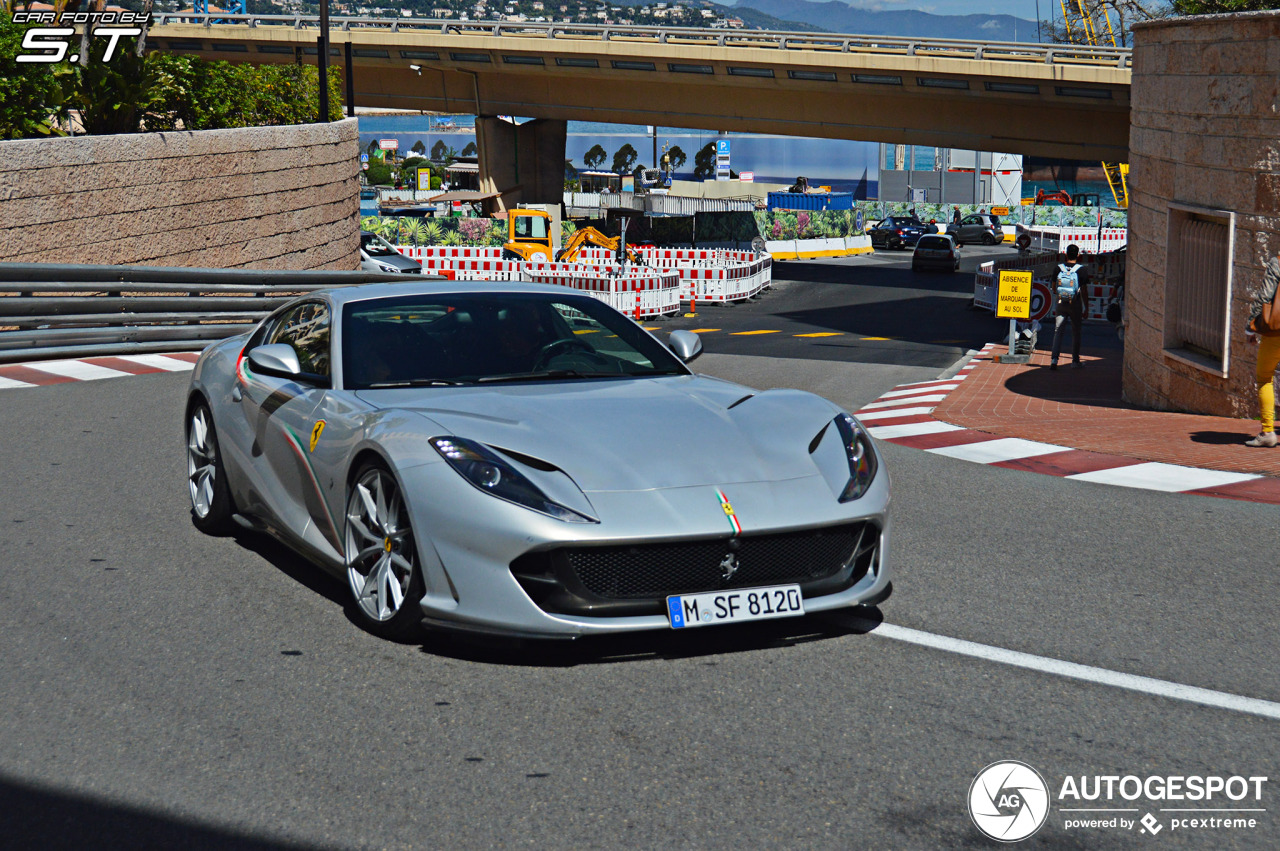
472 546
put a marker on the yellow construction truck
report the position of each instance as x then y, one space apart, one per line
528 236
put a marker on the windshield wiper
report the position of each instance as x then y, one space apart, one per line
416 382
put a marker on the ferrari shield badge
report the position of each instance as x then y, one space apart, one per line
316 431
729 513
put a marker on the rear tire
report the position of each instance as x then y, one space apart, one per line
988 239
211 505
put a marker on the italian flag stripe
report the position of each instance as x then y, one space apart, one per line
728 512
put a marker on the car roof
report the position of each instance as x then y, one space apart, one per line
364 292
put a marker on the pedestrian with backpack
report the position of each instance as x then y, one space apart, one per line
1072 289
1264 329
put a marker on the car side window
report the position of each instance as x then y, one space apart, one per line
306 329
972 220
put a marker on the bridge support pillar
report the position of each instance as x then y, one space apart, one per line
524 164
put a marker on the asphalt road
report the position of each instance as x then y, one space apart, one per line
160 688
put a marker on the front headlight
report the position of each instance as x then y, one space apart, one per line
395 270
484 469
862 460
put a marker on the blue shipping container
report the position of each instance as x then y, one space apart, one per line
810 200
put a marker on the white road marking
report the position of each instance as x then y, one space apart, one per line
906 400
160 362
928 388
921 386
1163 477
78 370
1102 676
912 429
897 412
1002 449
13 382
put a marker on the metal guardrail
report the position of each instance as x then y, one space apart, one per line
56 310
1005 51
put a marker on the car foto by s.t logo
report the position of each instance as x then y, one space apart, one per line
51 44
1008 801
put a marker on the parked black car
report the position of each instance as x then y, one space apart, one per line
898 232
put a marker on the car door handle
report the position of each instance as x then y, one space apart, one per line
236 395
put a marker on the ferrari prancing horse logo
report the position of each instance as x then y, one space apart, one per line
316 431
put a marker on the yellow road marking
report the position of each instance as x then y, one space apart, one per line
651 327
747 333
703 330
586 331
875 338
822 334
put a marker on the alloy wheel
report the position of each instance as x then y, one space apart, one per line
379 545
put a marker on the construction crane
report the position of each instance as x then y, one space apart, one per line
1093 26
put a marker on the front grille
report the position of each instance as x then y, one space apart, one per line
636 579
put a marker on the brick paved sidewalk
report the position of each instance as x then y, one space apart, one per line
1081 408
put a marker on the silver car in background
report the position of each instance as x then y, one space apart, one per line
526 461
378 255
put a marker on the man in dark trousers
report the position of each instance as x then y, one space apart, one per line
1072 275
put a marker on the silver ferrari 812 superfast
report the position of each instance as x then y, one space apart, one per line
526 461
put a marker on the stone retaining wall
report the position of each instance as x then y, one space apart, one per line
260 197
1206 133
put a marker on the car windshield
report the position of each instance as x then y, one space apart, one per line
933 243
376 246
485 338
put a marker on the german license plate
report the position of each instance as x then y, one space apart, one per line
745 604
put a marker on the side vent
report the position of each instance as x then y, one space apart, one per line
740 401
817 438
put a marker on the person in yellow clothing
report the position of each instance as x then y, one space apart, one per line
1264 323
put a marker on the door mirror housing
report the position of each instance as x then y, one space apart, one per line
281 361
686 345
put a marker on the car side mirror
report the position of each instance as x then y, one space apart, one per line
686 345
281 361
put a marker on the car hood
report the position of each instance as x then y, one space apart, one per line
638 434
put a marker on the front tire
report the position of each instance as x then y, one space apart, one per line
382 558
211 505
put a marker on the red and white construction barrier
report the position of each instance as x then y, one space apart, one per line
671 275
1093 240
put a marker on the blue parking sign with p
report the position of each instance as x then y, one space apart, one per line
722 146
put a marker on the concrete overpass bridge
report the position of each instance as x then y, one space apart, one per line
1048 100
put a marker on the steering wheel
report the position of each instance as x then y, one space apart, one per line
555 348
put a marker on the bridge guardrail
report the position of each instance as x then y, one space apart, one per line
60 310
1007 51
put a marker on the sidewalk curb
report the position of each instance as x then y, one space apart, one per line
904 416
42 373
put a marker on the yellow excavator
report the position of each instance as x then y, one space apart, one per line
1083 26
590 235
528 236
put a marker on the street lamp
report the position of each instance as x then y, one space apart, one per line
323 63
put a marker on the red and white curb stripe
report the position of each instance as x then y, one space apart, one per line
904 416
46 372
